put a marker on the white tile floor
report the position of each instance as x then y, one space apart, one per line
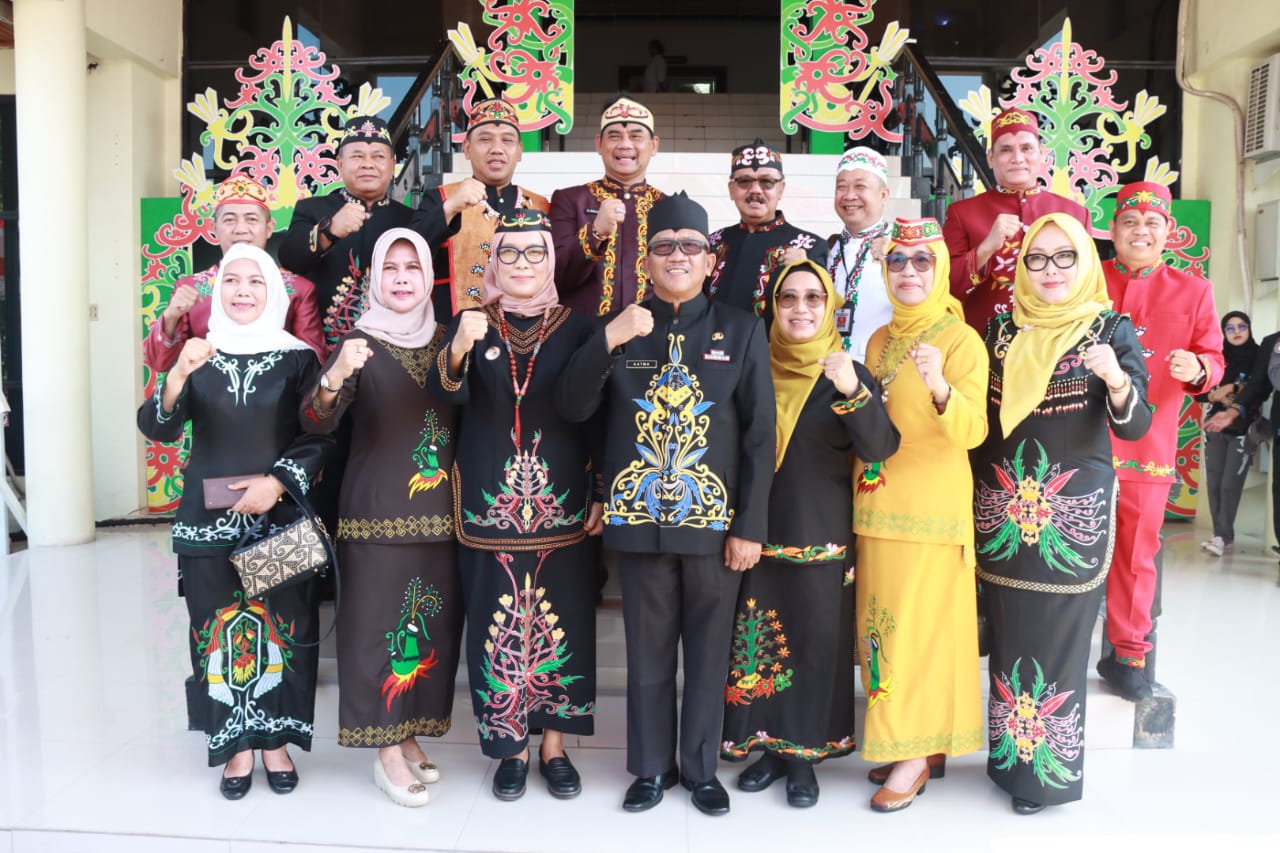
94 755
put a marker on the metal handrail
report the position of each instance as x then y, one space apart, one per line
966 141
404 114
426 160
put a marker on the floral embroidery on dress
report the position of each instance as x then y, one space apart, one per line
1024 727
880 624
426 456
405 643
1029 508
526 501
758 651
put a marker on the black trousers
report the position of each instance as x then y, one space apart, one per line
668 599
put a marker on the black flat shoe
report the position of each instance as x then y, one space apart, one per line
508 780
769 769
282 781
646 791
563 781
235 787
802 785
709 797
1022 806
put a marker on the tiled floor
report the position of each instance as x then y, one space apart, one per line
94 755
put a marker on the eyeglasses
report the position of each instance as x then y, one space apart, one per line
662 248
1232 328
766 184
812 299
897 262
1063 260
533 254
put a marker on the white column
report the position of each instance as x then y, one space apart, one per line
50 83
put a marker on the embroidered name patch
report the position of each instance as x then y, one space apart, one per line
716 355
642 363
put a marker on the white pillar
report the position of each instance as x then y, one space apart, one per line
50 83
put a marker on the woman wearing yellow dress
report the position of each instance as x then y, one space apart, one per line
913 516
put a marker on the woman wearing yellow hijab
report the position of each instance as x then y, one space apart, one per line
1064 368
916 625
789 692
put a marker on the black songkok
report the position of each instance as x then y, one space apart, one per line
675 212
757 155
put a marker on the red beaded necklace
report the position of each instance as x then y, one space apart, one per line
517 387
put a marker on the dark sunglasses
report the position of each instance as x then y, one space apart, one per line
897 262
744 183
1064 260
662 248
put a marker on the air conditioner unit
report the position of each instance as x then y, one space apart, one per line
1262 115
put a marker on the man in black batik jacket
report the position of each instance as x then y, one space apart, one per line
687 469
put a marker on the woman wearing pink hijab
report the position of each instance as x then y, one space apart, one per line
524 505
400 614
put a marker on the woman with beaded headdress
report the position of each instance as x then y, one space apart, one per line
523 507
916 604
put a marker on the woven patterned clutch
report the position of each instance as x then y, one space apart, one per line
286 557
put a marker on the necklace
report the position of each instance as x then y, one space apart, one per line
896 350
517 387
851 276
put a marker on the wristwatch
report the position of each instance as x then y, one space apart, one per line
324 383
324 229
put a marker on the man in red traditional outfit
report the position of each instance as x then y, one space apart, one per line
240 215
984 233
1181 338
601 229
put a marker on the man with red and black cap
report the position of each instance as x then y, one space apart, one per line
687 468
331 237
984 233
600 229
472 207
240 215
748 255
1181 339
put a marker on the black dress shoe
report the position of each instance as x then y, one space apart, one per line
646 791
282 781
769 769
709 797
235 787
562 777
802 785
1022 806
508 779
1130 682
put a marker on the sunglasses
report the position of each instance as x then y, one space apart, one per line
533 254
897 262
1063 260
766 184
812 299
691 248
1232 328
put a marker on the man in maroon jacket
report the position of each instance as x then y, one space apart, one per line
601 229
240 215
984 233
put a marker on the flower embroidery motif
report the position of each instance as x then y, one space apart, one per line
1026 727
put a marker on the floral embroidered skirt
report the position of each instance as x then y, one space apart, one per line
259 687
917 635
1039 673
791 670
531 643
399 638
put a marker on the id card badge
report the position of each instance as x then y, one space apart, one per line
844 320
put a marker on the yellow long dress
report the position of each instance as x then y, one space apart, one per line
913 515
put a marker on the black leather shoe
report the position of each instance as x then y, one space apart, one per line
235 787
802 785
769 769
1022 806
1130 682
646 791
282 781
509 778
563 781
709 797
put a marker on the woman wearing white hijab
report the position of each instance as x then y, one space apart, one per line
400 621
240 391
